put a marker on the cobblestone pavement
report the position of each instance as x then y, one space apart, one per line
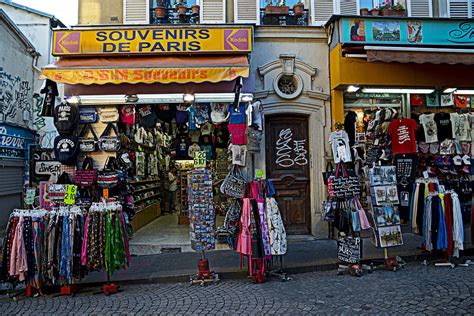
413 290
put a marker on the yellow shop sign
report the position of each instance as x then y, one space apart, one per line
152 41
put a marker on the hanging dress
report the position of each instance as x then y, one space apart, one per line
277 232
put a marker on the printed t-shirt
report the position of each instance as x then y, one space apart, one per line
443 123
193 149
165 112
430 128
402 132
461 126
447 100
182 148
146 116
219 112
181 114
238 133
207 129
461 101
239 154
432 100
207 147
340 146
237 116
192 118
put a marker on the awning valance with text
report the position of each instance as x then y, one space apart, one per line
176 69
420 56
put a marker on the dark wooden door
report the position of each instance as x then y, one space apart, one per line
287 160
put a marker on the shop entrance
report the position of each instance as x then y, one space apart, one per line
287 160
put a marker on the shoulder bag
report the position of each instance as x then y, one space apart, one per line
329 172
108 142
86 176
108 114
109 176
343 184
87 115
87 144
234 183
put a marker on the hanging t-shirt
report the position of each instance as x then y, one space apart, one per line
447 100
194 136
350 126
443 123
238 133
165 112
219 112
237 116
202 113
182 148
340 146
194 148
239 154
50 91
402 133
127 114
419 131
430 128
416 99
254 137
255 115
146 116
207 129
432 100
461 101
461 126
207 147
66 117
181 114
405 166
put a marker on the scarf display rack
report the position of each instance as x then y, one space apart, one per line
59 247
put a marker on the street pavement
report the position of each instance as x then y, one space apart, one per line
416 289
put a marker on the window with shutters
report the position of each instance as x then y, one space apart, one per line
213 11
247 11
458 8
136 11
323 9
420 8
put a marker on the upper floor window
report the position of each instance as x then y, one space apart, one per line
456 8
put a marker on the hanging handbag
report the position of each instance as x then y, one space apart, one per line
108 114
364 221
329 172
355 220
87 115
343 184
87 144
235 184
329 210
109 176
342 217
86 176
108 142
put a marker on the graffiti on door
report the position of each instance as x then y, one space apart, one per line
290 151
15 99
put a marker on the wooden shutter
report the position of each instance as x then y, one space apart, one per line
246 11
322 11
212 11
420 8
460 8
348 7
136 12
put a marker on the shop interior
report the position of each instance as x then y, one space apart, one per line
160 136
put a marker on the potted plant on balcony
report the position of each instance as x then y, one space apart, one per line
160 10
375 11
195 9
280 9
181 7
398 10
364 11
298 8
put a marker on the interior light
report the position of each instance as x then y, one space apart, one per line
464 92
188 98
246 97
160 98
449 90
102 99
353 88
73 100
390 90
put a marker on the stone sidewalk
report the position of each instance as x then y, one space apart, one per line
302 256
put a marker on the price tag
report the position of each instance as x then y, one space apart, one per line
200 159
70 196
30 196
259 174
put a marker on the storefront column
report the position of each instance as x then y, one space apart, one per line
337 106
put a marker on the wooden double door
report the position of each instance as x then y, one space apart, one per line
288 166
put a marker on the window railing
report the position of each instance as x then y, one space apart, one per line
284 18
174 16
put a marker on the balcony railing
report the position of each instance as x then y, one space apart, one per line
173 16
284 19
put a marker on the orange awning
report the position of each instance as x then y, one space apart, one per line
177 69
420 57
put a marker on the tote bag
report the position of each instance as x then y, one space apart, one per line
108 142
86 176
234 183
87 144
343 184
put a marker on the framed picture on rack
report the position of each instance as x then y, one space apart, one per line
383 175
390 236
385 195
386 216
